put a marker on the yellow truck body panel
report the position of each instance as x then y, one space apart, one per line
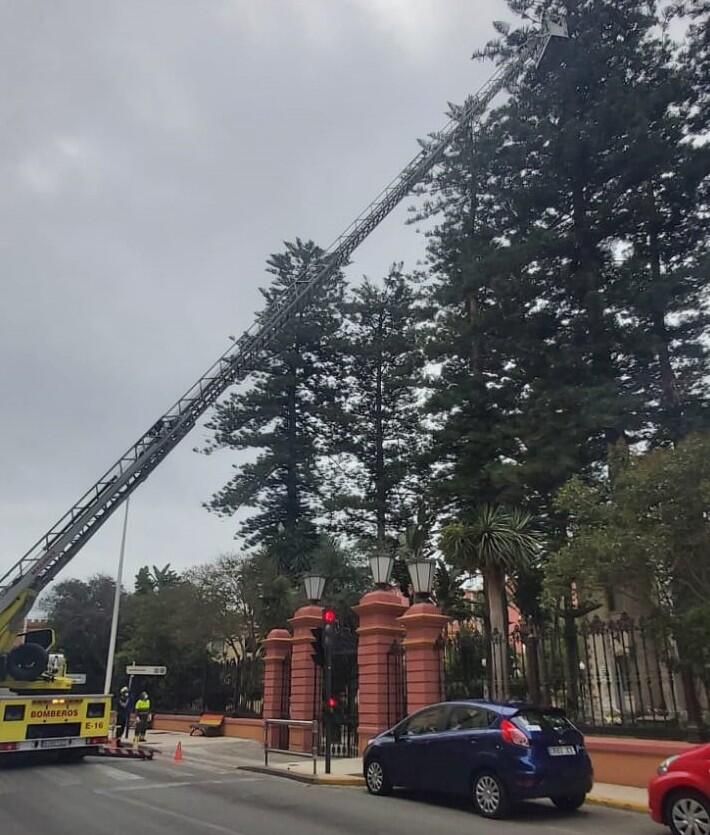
40 722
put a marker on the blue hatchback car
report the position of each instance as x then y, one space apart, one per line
495 753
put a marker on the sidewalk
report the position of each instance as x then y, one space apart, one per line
249 756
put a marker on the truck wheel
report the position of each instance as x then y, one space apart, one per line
27 662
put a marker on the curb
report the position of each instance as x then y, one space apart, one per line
621 805
314 780
353 780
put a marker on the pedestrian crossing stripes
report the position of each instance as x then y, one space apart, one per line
113 773
108 776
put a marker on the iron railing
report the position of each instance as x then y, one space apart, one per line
611 676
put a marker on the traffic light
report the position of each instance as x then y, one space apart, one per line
324 637
318 654
331 703
330 619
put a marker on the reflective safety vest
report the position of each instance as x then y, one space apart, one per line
143 706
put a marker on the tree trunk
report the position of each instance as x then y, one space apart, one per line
380 485
495 590
669 384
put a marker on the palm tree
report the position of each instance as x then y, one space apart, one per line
497 543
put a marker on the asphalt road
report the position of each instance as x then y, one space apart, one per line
207 795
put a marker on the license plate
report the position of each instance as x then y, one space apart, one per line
53 743
562 751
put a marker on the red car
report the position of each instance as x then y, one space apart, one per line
679 796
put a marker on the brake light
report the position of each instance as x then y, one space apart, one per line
513 735
8 746
97 740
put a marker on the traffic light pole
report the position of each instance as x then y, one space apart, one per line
328 713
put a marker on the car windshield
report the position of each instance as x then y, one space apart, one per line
544 720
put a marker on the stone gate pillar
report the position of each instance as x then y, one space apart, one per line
378 612
305 701
423 624
277 649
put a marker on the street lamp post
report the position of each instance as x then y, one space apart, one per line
314 585
116 605
381 565
421 573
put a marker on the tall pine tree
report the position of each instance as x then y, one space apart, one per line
381 432
282 414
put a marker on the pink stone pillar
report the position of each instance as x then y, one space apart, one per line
303 674
378 613
423 624
277 648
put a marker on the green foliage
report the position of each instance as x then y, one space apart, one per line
250 593
648 536
415 541
568 262
284 414
80 612
495 539
498 543
174 626
347 575
449 593
381 435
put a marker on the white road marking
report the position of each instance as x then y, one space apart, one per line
116 773
177 784
214 827
62 776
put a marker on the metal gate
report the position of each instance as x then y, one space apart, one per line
285 703
396 683
344 717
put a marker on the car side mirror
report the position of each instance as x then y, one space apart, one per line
398 733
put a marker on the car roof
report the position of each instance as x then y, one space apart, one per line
503 708
509 708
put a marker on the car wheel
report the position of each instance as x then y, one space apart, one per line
570 802
490 796
376 778
688 812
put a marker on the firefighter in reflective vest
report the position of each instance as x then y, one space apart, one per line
142 716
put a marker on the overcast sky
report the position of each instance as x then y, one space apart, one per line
152 155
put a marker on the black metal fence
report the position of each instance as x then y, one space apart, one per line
615 676
234 687
344 716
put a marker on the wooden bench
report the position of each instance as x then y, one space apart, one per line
210 724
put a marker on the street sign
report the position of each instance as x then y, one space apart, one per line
77 678
145 670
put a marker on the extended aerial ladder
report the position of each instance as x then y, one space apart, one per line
26 665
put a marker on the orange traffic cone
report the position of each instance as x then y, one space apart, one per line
178 753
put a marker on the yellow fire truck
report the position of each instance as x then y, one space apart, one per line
37 713
72 725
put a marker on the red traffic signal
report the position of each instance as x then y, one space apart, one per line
329 616
332 703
